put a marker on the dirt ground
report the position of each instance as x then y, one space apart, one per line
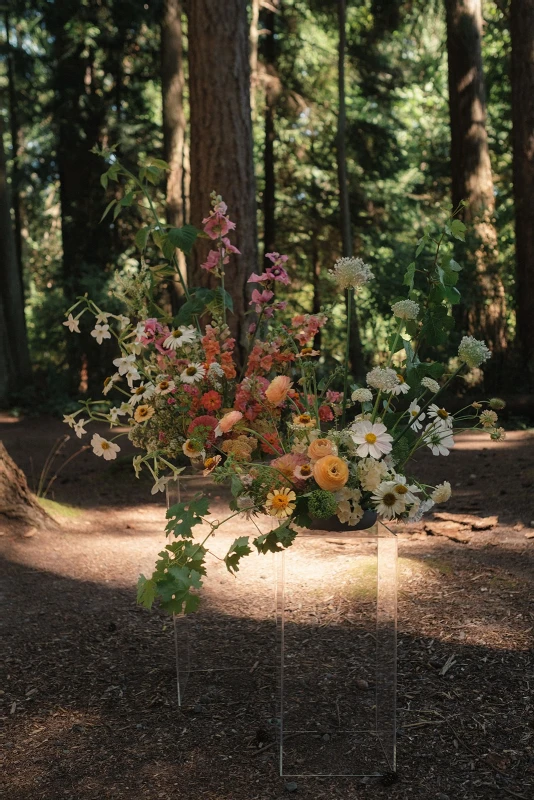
89 694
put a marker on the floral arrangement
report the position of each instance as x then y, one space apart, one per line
290 445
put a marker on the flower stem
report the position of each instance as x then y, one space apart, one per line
350 295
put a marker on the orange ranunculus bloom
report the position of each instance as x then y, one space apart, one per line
320 448
277 390
331 473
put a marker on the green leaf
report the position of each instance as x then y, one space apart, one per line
454 265
146 591
197 304
239 548
183 518
436 325
104 180
236 487
420 245
276 540
117 211
175 590
167 247
159 163
458 229
411 358
141 238
183 238
127 200
108 208
152 174
409 275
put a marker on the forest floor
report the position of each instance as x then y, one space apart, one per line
89 698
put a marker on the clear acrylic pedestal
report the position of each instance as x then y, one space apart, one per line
323 679
336 645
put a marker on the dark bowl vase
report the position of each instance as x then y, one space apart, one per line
333 524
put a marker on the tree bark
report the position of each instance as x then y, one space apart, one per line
253 57
471 171
16 144
174 124
15 367
272 90
355 344
221 139
16 500
522 30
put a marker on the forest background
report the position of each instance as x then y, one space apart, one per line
330 128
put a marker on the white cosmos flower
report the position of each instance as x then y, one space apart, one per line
361 396
101 447
193 373
382 378
73 324
402 387
101 332
430 384
441 415
372 439
438 438
442 492
473 352
142 392
79 429
387 502
351 273
179 337
160 484
405 309
413 412
164 385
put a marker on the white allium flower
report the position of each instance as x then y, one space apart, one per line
179 337
79 429
441 415
442 492
430 384
416 418
473 352
193 373
73 324
101 447
361 396
438 438
405 309
402 387
382 378
351 273
387 502
372 439
101 332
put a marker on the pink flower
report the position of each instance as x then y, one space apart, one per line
261 298
252 328
229 247
277 390
212 261
227 422
325 414
257 278
334 397
217 225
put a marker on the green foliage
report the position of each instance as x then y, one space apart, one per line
276 540
321 504
239 548
183 517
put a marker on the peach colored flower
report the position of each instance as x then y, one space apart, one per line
287 464
320 448
331 473
277 390
227 422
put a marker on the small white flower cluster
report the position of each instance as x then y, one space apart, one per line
430 384
473 352
361 396
349 510
351 273
382 378
405 309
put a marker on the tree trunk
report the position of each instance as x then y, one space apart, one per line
471 172
253 57
522 30
272 90
221 139
174 124
16 500
355 344
15 368
16 144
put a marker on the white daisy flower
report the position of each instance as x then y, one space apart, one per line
430 384
73 324
164 385
108 383
473 352
101 447
402 387
101 332
382 378
405 490
405 309
416 418
387 502
442 492
372 439
179 337
361 396
142 392
441 415
193 373
438 438
351 273
79 429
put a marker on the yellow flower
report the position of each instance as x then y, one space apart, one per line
144 412
303 421
331 473
210 464
280 503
